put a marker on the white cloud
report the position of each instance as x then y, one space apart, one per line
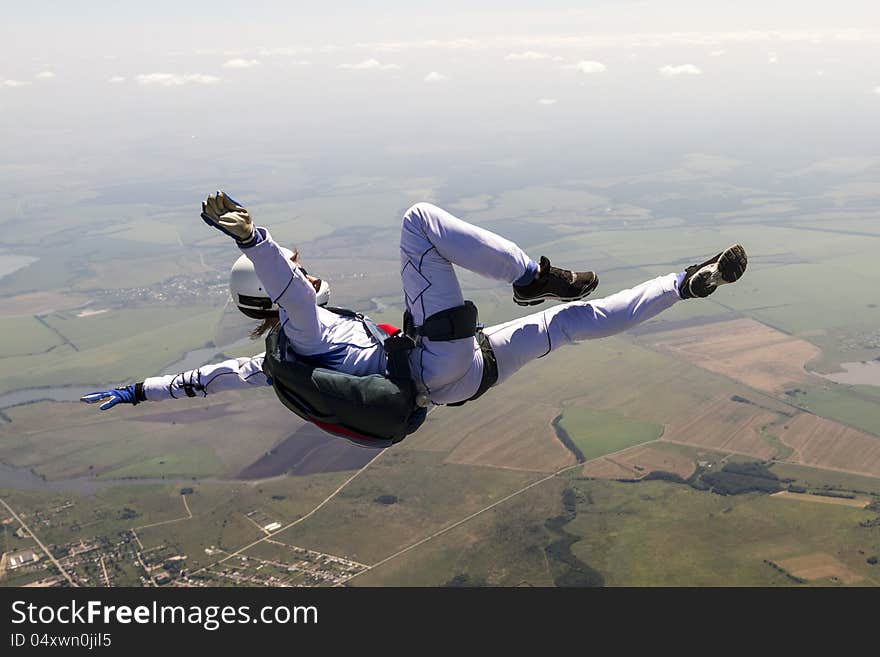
14 83
434 76
45 75
717 53
288 51
527 56
241 63
455 44
877 90
116 79
175 80
772 58
370 65
820 73
682 69
589 67
593 41
547 101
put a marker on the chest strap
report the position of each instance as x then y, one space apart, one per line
396 346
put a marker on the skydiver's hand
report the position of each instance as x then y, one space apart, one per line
126 395
229 216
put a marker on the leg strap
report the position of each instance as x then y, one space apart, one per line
490 369
450 324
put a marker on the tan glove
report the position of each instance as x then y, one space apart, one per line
225 214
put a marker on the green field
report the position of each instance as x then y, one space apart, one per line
23 336
645 534
597 433
430 494
501 547
663 534
817 480
105 328
183 461
220 509
124 355
843 403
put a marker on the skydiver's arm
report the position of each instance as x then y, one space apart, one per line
287 286
232 374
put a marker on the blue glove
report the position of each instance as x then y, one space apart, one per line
126 395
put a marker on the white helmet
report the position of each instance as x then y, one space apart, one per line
250 297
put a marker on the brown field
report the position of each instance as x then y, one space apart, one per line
742 349
829 444
40 303
819 566
506 434
638 462
726 425
858 502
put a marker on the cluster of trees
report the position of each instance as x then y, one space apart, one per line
566 440
662 475
739 478
775 566
574 571
837 493
873 522
463 580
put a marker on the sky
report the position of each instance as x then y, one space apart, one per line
103 91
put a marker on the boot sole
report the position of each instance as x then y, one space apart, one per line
539 300
730 267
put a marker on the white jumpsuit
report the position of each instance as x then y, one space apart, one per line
431 242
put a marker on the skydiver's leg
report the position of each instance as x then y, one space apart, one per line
431 241
520 341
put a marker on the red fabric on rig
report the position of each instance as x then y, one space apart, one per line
339 431
390 330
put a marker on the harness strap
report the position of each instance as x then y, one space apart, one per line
490 369
450 324
379 333
397 348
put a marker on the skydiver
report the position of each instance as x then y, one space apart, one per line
446 358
